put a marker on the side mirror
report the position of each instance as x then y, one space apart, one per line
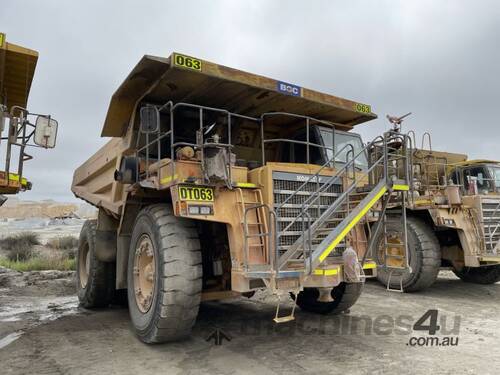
129 167
45 132
150 119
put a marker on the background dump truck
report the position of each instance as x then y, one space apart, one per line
217 183
453 215
17 132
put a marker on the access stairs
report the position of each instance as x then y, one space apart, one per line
324 236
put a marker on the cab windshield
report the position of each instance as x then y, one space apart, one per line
341 140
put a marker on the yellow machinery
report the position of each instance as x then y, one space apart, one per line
17 68
453 221
218 183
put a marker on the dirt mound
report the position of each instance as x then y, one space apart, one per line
39 209
18 209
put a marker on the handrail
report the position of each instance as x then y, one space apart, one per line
308 144
311 178
351 187
387 139
336 175
429 138
330 181
333 207
327 184
320 190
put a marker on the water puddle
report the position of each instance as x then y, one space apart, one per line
29 312
9 339
43 308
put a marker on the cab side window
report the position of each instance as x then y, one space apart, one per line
297 153
455 177
481 176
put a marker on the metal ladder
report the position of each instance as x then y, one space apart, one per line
256 218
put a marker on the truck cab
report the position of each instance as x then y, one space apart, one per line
481 177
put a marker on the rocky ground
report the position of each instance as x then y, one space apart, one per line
42 331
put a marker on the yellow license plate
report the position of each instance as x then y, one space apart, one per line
195 193
363 108
187 62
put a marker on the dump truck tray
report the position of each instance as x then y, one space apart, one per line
182 78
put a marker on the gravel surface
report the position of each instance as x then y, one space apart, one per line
48 334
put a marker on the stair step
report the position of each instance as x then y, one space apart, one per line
365 189
395 245
395 268
335 220
394 256
257 235
323 230
299 205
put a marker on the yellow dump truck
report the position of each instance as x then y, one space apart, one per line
217 183
17 132
453 215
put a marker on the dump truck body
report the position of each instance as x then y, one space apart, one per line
458 200
462 198
263 176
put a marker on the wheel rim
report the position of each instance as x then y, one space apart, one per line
144 273
84 265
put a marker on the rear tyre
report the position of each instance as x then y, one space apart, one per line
479 275
95 280
344 296
424 256
164 275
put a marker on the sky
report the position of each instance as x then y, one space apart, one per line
439 60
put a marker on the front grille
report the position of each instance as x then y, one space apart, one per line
491 223
284 185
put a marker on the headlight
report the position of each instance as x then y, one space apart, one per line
194 210
200 210
205 210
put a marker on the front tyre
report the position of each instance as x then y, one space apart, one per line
424 255
479 275
344 296
164 275
95 280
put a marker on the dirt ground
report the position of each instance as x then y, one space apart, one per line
43 332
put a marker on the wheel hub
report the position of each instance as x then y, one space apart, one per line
144 273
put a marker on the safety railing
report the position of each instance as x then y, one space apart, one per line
200 141
389 156
309 121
